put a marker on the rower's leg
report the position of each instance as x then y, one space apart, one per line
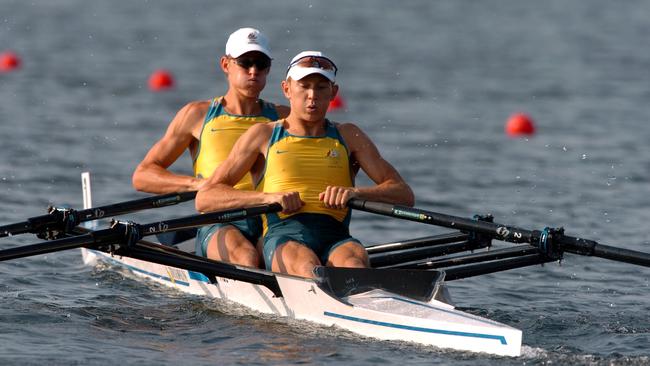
294 258
228 244
350 254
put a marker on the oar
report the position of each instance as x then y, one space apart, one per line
168 256
464 259
551 242
417 243
388 259
66 219
120 233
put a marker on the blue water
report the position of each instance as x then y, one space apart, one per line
431 83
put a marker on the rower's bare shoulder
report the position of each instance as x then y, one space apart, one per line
258 133
195 110
262 128
189 118
350 131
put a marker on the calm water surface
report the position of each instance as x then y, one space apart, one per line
431 83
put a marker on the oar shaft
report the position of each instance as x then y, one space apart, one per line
202 265
207 218
471 258
15 229
398 257
592 248
120 208
471 270
418 243
100 236
549 242
123 233
502 232
58 218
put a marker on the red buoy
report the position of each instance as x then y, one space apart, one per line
520 124
161 80
9 61
336 103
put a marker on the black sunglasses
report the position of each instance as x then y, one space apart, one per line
260 63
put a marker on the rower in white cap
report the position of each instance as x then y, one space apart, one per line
307 164
209 129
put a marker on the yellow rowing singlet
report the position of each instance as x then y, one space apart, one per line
220 132
307 165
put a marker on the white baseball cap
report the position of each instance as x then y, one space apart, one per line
311 62
246 40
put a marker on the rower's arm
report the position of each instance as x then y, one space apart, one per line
152 175
390 186
218 192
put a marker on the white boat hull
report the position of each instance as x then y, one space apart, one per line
376 313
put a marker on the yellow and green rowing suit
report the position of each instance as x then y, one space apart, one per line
219 133
306 164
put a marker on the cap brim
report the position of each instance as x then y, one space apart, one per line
252 48
297 73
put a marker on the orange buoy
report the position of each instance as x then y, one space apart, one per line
161 80
9 61
336 103
520 124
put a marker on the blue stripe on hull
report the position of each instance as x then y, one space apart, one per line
198 276
502 339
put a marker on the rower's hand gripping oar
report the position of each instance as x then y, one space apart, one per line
121 232
550 242
61 220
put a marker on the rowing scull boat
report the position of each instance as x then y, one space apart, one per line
403 300
376 313
396 305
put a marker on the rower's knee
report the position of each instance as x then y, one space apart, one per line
355 262
246 255
295 259
306 269
350 255
229 245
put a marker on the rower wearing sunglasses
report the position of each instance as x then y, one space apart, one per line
306 163
209 129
